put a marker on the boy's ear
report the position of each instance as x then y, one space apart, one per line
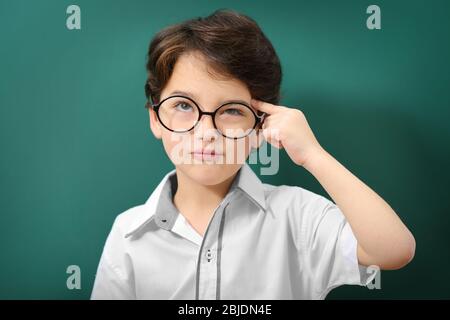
155 126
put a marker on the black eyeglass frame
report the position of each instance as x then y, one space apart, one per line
259 119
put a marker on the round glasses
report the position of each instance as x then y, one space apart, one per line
233 120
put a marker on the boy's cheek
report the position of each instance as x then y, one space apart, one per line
155 126
237 151
171 150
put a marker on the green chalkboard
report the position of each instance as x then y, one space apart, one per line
76 149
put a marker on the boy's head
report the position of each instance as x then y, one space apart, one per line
223 60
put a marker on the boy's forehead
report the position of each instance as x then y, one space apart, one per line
192 74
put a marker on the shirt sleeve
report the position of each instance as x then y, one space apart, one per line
331 249
114 278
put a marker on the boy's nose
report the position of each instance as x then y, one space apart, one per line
205 129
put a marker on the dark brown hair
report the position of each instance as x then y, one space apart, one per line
234 47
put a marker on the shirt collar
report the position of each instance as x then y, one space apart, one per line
160 208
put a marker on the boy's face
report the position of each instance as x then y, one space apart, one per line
190 151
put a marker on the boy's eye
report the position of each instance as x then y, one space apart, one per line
182 106
233 112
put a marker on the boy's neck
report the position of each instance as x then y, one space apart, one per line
196 201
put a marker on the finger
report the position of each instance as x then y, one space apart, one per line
271 137
264 106
271 122
277 144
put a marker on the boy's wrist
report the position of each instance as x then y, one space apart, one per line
315 159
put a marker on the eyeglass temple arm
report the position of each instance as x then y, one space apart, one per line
261 117
150 104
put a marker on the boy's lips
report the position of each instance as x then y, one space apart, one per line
205 151
204 154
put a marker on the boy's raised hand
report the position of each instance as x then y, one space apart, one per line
287 128
375 224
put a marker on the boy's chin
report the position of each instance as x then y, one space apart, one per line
209 174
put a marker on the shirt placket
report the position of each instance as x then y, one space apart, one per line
207 268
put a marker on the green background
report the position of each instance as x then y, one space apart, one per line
76 149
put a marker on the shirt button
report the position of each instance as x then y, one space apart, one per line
209 255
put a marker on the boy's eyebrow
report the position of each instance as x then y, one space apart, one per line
183 93
190 95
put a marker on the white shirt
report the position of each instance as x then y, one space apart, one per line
262 242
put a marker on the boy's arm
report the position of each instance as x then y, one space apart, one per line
383 239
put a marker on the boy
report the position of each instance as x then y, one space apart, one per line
211 229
